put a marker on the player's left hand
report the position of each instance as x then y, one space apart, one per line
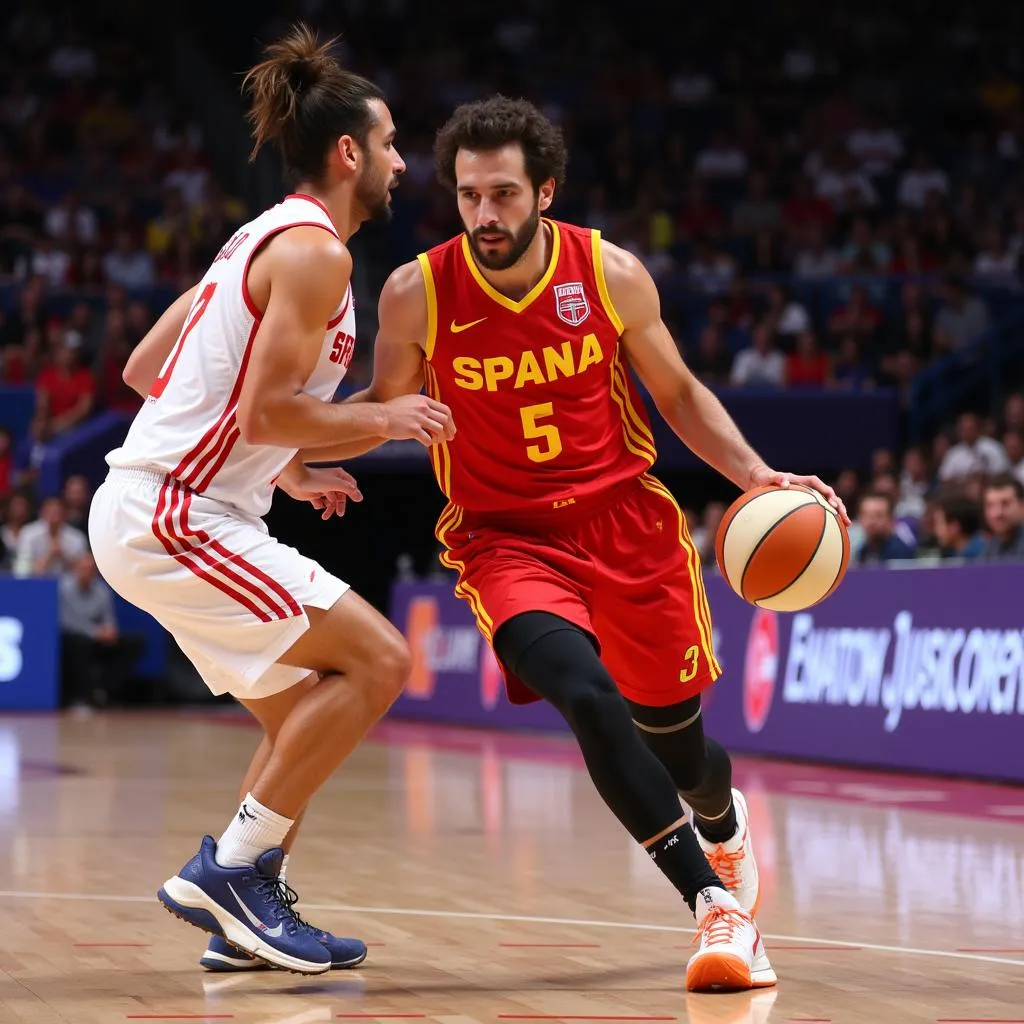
763 476
327 490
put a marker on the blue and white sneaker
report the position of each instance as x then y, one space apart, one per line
221 957
248 906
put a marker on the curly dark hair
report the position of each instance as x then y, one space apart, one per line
499 121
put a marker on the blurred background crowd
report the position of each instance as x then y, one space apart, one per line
828 199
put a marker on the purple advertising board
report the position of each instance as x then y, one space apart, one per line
920 669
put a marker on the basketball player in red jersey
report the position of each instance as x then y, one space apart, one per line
575 560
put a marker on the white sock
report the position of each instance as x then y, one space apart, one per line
284 868
253 830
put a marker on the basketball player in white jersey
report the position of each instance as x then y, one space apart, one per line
239 375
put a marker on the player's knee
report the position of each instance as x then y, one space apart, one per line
594 707
391 669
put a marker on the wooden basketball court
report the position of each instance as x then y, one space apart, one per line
493 886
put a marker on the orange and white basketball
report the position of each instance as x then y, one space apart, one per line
782 548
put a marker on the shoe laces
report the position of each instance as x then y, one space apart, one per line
726 865
720 924
282 899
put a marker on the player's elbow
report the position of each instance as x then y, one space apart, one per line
255 418
132 376
254 425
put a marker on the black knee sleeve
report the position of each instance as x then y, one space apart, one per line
700 767
559 662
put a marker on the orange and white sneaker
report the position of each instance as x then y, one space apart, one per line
731 956
733 861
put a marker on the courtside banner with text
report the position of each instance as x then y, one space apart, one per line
902 668
920 669
29 644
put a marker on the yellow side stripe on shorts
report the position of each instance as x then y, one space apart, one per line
450 519
701 608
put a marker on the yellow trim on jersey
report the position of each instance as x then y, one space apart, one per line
602 282
504 300
701 608
640 428
440 457
633 443
431 290
450 519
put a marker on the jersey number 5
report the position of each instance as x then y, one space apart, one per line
548 432
199 305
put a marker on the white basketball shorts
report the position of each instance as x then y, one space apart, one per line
231 596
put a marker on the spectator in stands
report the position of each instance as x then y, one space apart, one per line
857 317
788 316
842 184
996 262
849 370
864 253
1003 499
77 498
711 360
915 483
761 365
847 486
1013 413
875 146
128 265
13 519
973 452
65 394
757 211
876 518
920 180
1013 445
723 159
710 270
961 320
883 462
49 546
957 526
807 366
97 658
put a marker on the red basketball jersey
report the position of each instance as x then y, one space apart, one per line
546 412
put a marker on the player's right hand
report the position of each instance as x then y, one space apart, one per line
419 418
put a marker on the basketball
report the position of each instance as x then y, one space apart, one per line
784 549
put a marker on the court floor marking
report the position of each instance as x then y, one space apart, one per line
344 908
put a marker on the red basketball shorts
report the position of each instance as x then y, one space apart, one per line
626 572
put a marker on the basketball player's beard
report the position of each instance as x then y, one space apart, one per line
372 194
519 243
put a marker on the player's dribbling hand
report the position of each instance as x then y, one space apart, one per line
763 476
418 418
327 490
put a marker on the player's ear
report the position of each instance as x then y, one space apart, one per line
347 152
546 194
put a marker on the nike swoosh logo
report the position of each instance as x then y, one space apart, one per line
263 929
457 328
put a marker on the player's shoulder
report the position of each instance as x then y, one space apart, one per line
405 283
403 302
619 264
307 253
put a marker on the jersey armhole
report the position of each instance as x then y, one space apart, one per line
431 294
602 283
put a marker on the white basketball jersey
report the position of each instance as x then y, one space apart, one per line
188 427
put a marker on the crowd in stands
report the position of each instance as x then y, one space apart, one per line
108 209
959 499
827 198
